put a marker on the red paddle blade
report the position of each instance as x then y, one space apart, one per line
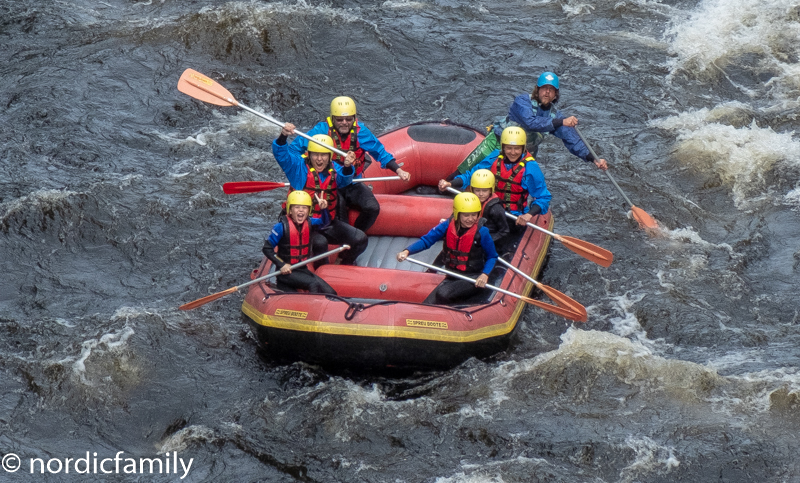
644 219
562 300
567 313
239 187
207 299
201 87
587 250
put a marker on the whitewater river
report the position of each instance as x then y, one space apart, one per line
112 215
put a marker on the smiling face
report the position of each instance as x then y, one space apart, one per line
343 124
466 220
513 153
299 213
319 161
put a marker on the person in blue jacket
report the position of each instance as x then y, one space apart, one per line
292 237
468 249
537 115
517 175
314 173
351 135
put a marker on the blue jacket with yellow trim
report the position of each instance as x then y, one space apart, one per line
296 169
366 140
440 231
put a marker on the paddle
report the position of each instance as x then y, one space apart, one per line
212 297
238 187
569 314
556 296
587 250
202 88
642 217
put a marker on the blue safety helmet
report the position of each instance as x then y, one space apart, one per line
548 79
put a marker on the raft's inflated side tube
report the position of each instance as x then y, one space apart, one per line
394 219
380 283
426 151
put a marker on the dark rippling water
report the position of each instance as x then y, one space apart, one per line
112 215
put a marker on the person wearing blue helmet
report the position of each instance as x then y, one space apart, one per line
537 115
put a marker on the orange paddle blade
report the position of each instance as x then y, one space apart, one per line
207 299
562 300
238 187
569 314
644 219
587 250
201 87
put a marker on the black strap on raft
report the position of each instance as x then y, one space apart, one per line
351 311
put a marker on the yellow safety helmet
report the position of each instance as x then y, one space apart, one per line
298 197
514 136
465 203
316 148
343 106
482 178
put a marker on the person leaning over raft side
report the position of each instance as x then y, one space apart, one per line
537 115
350 134
314 173
292 236
468 249
517 175
482 185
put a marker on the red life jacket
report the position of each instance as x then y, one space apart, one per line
509 183
326 191
349 143
295 246
463 253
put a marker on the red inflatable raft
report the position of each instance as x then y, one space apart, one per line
378 319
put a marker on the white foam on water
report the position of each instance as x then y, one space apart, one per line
111 341
605 9
478 477
689 255
40 199
758 393
740 157
626 324
719 32
793 198
540 2
641 39
64 322
252 18
403 4
492 471
218 133
128 313
631 361
611 62
350 402
731 360
485 407
513 461
182 439
650 457
689 235
576 8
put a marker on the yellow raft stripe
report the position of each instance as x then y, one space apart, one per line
403 332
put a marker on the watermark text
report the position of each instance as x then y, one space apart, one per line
168 464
